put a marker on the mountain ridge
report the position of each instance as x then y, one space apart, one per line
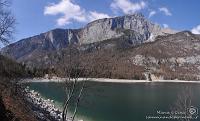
168 56
95 31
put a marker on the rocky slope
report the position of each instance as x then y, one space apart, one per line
136 27
173 56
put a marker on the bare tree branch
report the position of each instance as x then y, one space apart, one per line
183 102
7 22
78 100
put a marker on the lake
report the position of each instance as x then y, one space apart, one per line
104 101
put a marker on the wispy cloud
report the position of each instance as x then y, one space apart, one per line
93 15
152 13
126 6
70 11
196 30
165 11
165 25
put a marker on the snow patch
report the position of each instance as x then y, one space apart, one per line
51 37
151 38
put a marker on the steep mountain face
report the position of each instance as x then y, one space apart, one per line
135 27
45 42
108 28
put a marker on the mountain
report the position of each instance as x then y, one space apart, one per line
122 47
173 56
135 27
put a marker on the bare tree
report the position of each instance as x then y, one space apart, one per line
7 22
75 69
183 103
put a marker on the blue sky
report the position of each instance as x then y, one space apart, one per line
37 16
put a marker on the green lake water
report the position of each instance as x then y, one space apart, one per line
122 101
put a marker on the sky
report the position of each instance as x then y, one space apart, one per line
38 16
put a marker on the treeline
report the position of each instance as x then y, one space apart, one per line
11 69
40 72
98 64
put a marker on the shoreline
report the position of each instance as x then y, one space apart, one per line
43 108
58 79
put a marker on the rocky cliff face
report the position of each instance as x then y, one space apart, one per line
135 27
108 28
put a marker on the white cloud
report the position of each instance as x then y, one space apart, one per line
196 30
126 6
69 11
165 11
165 25
152 13
93 15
